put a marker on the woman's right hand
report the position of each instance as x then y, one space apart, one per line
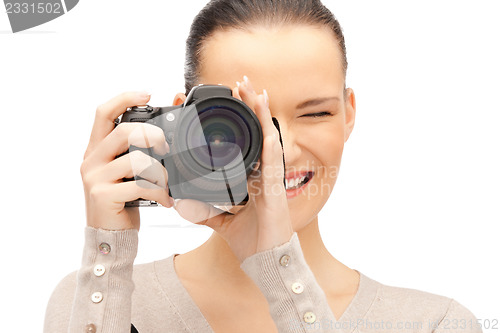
102 172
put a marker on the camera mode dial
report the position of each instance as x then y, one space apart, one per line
145 108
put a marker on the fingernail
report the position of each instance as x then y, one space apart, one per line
176 202
248 83
238 83
266 97
144 95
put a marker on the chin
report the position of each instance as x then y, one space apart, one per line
302 214
306 207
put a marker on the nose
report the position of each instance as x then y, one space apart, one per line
291 149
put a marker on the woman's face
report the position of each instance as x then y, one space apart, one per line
300 67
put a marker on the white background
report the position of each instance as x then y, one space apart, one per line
417 201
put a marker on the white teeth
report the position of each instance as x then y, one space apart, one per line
291 183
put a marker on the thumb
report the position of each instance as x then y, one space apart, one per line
201 213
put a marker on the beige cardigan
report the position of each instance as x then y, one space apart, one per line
101 297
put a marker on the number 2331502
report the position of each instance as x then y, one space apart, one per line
32 8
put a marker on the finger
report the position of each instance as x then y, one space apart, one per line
201 213
264 115
135 164
140 189
140 135
272 153
272 166
107 113
247 93
236 93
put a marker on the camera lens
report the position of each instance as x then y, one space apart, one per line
218 141
221 136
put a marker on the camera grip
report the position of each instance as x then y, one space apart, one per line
142 202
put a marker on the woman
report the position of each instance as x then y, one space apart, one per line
265 268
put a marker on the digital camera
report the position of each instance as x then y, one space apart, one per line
215 144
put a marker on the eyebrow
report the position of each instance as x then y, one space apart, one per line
315 101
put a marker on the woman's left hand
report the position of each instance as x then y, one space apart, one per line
264 222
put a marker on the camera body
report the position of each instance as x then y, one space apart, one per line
215 144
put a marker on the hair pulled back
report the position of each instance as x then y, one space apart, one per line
241 14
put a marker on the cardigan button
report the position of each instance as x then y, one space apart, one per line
285 260
99 270
104 248
309 317
90 328
96 297
297 288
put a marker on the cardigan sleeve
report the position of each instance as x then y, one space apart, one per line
458 319
296 301
102 299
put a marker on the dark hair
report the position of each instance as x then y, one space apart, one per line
237 14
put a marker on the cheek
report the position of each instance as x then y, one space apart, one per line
323 146
327 154
326 143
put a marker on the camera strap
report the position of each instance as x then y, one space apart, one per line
277 125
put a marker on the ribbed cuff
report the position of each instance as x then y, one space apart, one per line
107 267
296 301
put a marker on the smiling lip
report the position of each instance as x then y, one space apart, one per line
292 175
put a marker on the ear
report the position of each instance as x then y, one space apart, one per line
350 112
179 99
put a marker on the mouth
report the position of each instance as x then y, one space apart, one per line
296 182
